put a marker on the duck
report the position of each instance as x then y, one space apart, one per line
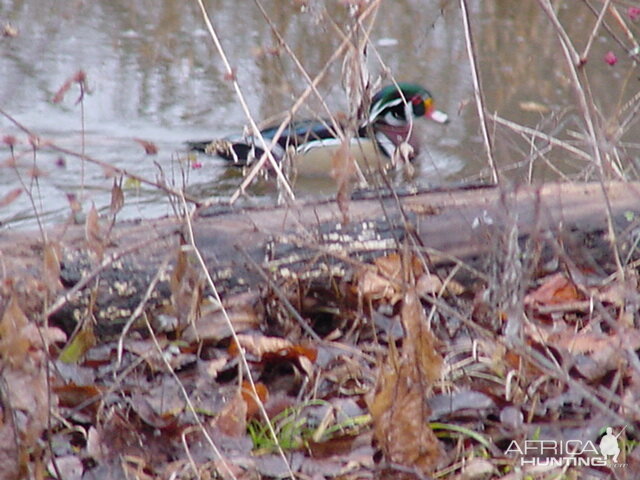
388 125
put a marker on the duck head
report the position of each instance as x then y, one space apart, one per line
393 109
395 105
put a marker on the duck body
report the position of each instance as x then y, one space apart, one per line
388 125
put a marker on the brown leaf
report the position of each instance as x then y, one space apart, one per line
556 289
51 255
343 168
117 197
387 281
72 396
74 204
14 346
258 345
253 409
186 286
24 379
10 197
150 148
93 235
80 77
289 354
232 420
398 410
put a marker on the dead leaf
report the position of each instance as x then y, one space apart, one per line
556 289
71 395
535 107
253 408
80 77
212 324
291 353
14 346
258 345
93 235
150 148
232 420
24 377
343 168
386 282
597 353
74 204
398 409
186 285
117 197
51 254
10 197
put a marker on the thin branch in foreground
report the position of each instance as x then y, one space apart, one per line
267 155
478 92
243 358
296 106
108 168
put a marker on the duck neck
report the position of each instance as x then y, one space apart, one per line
389 137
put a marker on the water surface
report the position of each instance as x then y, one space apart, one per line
153 73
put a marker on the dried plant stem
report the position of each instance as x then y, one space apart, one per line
595 135
105 165
634 52
281 295
281 41
594 31
28 190
86 279
573 61
478 92
524 130
268 155
243 359
296 106
139 310
192 409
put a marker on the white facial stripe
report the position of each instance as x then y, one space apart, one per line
385 143
325 142
381 106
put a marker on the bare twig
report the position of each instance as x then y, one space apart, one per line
478 92
105 165
267 155
243 359
296 106
594 31
283 298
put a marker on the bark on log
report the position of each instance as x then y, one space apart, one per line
472 225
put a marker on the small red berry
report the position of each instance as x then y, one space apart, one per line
610 58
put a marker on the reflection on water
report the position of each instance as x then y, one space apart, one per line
153 73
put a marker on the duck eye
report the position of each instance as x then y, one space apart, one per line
416 100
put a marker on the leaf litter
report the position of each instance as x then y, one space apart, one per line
403 383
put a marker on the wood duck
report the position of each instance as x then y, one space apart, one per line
388 125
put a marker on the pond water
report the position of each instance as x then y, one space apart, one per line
154 74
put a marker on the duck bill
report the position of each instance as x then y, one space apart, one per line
438 116
435 115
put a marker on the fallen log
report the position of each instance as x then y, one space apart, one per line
106 276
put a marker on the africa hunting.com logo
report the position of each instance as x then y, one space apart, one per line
573 453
